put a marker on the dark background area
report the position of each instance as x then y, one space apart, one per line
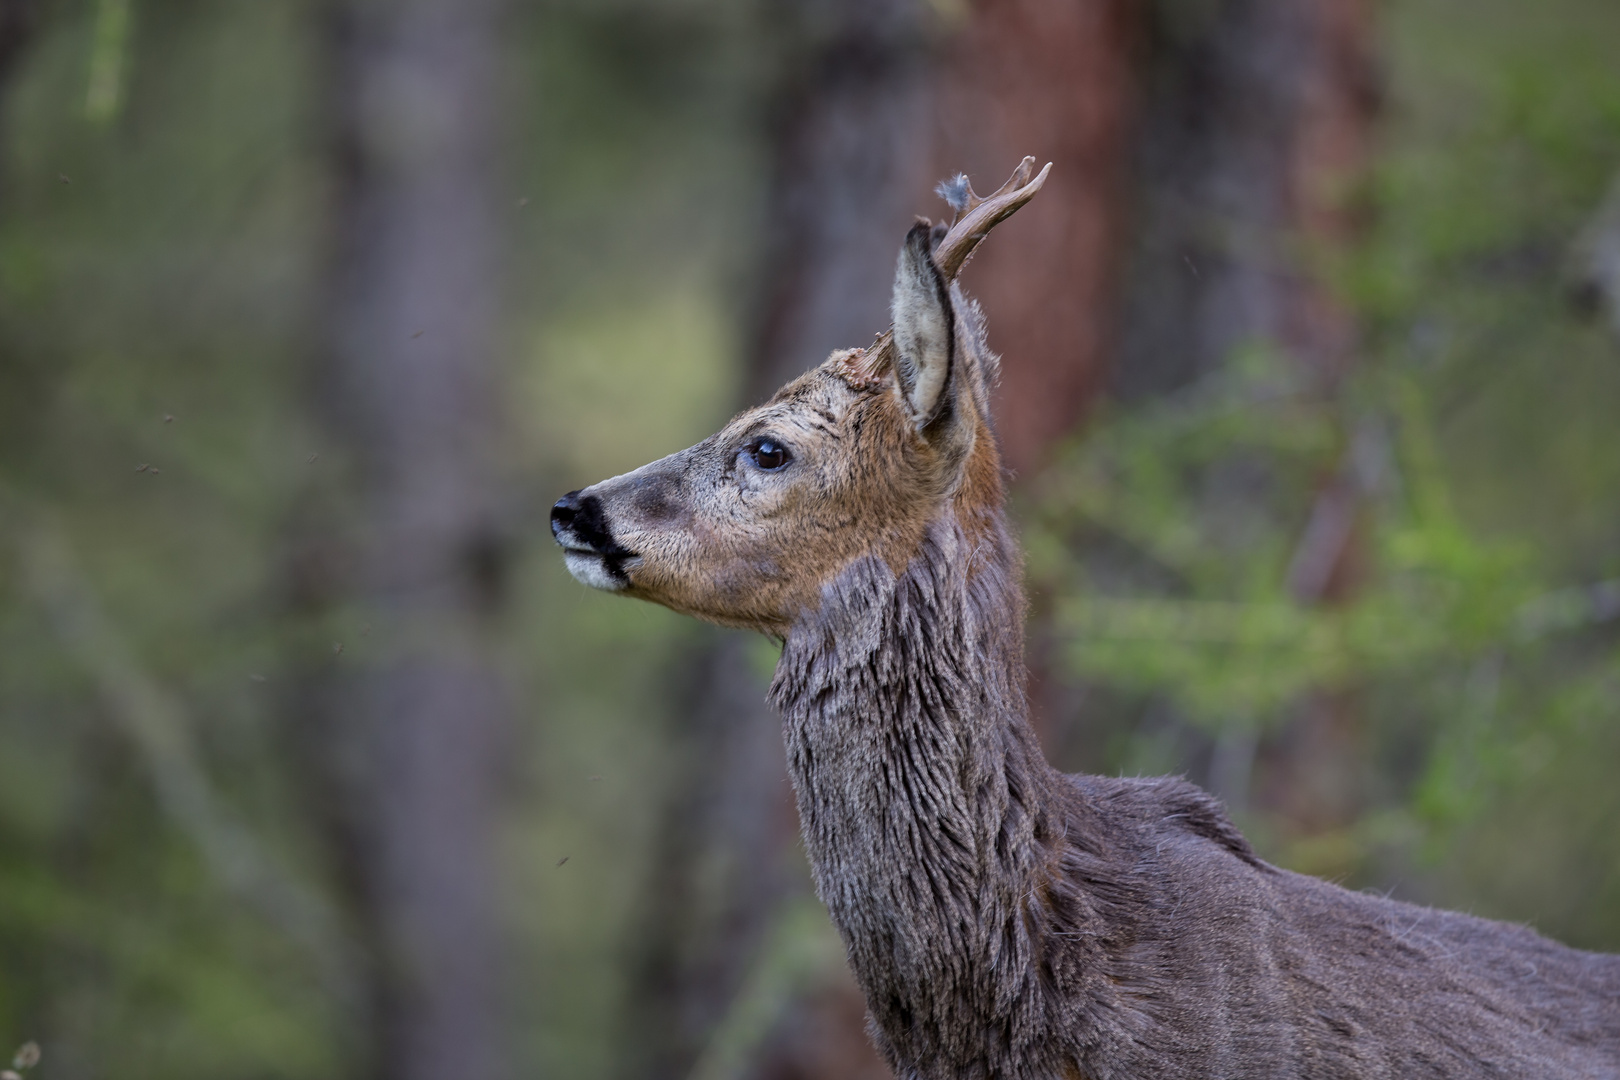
315 763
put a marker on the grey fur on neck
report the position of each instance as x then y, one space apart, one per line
925 803
1007 921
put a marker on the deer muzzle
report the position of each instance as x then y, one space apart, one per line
591 554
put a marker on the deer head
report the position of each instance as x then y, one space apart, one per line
854 458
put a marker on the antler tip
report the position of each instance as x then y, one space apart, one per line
982 214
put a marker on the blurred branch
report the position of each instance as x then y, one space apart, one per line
1598 256
109 47
1569 609
155 721
406 749
1323 561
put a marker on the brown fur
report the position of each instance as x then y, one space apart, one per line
1005 920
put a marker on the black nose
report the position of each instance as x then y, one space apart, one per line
563 512
579 522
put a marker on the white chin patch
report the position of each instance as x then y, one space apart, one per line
590 569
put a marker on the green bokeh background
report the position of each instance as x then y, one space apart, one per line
161 247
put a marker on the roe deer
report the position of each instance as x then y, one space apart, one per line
1003 919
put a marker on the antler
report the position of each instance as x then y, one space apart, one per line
976 216
974 219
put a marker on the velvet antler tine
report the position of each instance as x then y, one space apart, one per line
1018 179
964 200
976 216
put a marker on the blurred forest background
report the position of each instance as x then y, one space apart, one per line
315 763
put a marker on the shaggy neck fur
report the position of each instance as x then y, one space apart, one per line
923 796
1006 921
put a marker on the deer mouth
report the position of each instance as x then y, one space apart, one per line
599 570
591 554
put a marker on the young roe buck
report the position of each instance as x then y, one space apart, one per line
1003 919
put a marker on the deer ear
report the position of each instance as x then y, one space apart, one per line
924 329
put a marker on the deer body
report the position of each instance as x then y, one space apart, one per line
1005 920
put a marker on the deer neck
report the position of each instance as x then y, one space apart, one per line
923 796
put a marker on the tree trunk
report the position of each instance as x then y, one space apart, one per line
1255 113
720 867
403 569
1255 121
16 28
22 383
851 161
1053 78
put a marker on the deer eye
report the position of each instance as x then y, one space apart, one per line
769 454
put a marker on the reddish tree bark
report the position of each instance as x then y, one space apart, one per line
1331 154
1311 777
1052 78
1056 79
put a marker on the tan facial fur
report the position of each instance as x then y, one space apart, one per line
708 532
872 447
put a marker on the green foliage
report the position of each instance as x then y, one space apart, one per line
1209 494
1477 444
